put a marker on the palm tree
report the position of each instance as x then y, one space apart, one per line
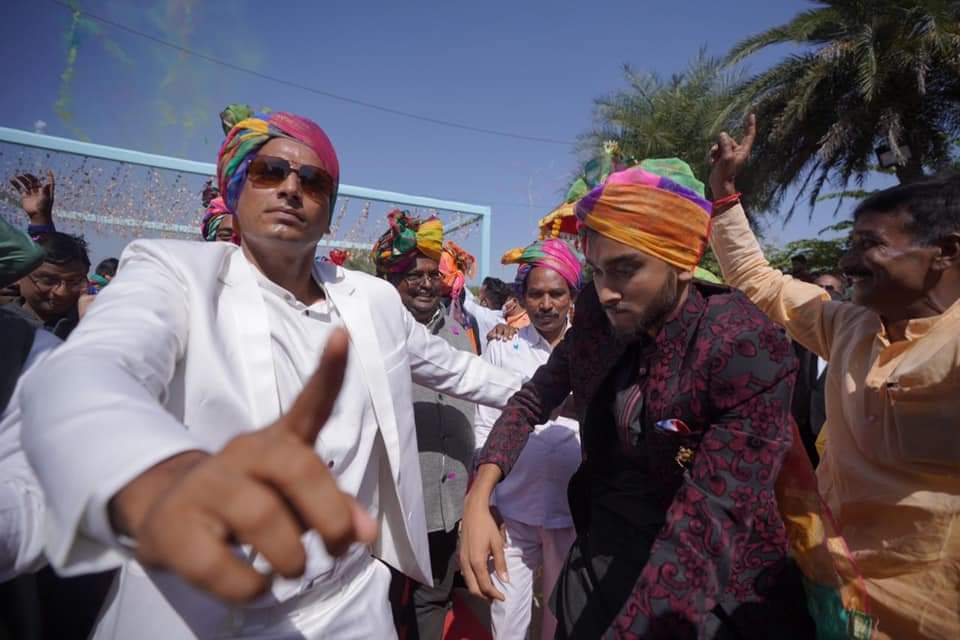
661 118
871 74
657 118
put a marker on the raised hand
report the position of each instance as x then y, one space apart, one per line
36 197
728 156
264 489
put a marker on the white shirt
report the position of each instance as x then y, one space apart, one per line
486 318
535 492
21 499
349 442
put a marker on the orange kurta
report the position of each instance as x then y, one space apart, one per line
891 466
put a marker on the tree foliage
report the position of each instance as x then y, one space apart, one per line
655 117
823 255
871 73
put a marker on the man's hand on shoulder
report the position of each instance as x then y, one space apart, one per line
502 333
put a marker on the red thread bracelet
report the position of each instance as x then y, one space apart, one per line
727 200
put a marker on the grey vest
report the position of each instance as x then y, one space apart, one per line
445 438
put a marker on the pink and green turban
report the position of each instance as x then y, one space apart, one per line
397 249
246 138
212 220
657 207
552 254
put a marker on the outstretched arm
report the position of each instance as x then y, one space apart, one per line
804 309
532 405
462 374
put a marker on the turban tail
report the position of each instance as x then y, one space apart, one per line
212 220
552 254
397 249
657 207
456 265
248 135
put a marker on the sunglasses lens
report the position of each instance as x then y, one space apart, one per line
316 183
268 172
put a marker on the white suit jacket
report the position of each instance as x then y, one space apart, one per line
175 355
21 500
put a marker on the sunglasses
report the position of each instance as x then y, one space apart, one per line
266 172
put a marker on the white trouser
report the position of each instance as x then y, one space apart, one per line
528 547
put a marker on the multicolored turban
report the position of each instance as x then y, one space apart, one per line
212 220
248 135
657 207
396 251
552 254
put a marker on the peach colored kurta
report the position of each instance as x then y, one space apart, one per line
891 466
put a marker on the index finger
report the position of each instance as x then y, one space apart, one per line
51 180
315 402
751 133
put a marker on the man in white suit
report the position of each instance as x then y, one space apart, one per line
169 437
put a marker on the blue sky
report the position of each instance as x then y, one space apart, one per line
532 68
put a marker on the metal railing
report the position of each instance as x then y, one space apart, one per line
130 156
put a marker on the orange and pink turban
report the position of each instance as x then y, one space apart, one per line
248 135
657 207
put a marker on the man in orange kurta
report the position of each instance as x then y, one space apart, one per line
890 471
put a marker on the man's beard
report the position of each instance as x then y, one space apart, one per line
660 307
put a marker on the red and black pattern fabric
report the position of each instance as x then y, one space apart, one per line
707 550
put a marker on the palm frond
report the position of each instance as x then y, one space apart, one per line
866 60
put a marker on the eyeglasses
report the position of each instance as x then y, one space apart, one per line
266 172
48 283
416 277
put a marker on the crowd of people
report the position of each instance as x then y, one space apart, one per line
238 438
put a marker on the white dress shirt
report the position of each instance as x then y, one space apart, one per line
349 441
535 492
21 499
